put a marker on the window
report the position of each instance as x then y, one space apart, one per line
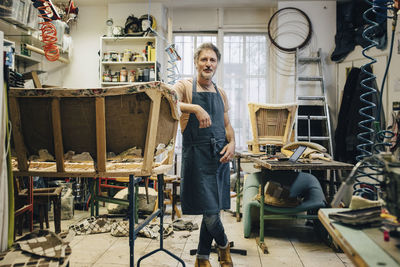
244 59
185 45
245 79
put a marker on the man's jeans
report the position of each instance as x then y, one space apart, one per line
211 228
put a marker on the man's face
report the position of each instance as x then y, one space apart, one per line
206 64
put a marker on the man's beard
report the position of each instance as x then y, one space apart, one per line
207 75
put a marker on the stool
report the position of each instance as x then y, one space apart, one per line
171 197
42 197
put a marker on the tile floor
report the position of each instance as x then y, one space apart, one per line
290 243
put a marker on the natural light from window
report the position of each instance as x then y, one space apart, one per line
244 59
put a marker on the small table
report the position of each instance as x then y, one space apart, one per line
357 243
267 167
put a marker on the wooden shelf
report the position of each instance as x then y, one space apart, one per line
26 60
136 45
129 39
127 62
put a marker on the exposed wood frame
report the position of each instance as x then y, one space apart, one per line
20 147
57 134
151 133
101 134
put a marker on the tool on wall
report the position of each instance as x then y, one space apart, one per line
49 33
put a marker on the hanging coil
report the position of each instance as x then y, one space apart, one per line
382 135
367 176
49 32
172 69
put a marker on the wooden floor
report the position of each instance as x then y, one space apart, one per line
290 244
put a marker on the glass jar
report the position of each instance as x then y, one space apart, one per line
106 77
132 76
123 75
106 56
115 77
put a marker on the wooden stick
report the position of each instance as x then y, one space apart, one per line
20 148
152 126
41 51
57 133
101 134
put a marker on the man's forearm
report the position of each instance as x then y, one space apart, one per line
188 108
230 134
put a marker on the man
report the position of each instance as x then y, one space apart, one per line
208 145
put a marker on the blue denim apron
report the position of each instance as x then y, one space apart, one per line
205 185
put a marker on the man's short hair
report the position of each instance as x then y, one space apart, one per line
205 46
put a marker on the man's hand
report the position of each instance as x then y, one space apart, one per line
203 117
228 152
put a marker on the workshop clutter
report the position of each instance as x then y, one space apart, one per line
147 54
146 74
128 74
134 25
67 203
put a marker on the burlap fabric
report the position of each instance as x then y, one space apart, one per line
152 230
120 228
278 196
92 225
39 248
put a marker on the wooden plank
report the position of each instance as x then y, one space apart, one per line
171 153
286 165
151 133
287 127
36 80
57 133
101 134
355 243
253 121
19 143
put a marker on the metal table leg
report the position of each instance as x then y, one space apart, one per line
260 239
158 213
238 193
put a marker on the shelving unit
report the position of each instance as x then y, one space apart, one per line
119 45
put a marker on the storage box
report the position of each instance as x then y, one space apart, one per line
33 18
15 10
67 208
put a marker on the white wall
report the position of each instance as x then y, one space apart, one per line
323 19
189 19
83 71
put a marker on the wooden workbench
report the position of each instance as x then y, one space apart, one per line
357 243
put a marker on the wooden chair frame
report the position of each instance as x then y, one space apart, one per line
161 116
270 124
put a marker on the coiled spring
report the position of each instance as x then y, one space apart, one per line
172 69
49 32
368 175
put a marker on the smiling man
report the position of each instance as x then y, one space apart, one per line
207 147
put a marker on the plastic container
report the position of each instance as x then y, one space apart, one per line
152 75
146 74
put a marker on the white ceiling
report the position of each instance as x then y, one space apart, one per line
189 3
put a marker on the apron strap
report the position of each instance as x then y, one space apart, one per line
194 87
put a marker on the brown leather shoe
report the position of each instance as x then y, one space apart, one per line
202 263
224 256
